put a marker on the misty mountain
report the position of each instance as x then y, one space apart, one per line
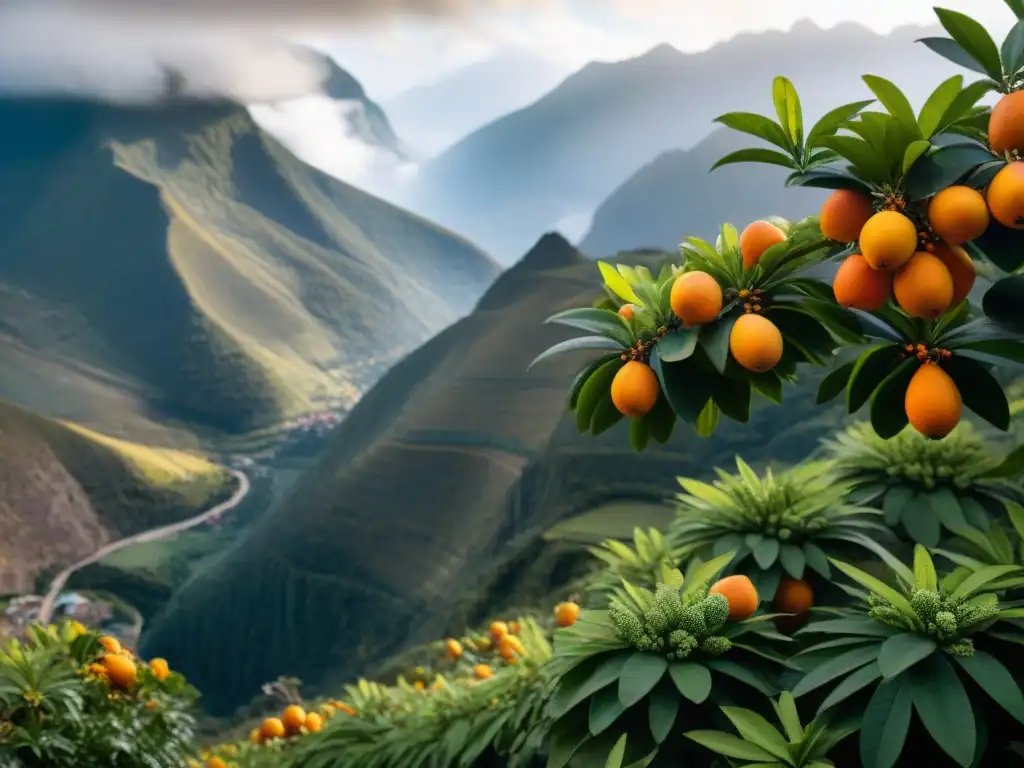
558 158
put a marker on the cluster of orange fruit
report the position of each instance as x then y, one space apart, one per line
502 639
295 720
117 667
793 596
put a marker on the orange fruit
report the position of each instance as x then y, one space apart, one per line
626 311
1006 123
216 762
933 403
755 343
120 669
1005 196
314 722
859 286
482 671
454 649
961 269
924 287
566 614
794 596
741 594
888 240
513 627
844 215
346 709
110 644
254 736
152 705
293 717
757 238
958 214
419 685
499 628
272 728
160 668
634 390
696 298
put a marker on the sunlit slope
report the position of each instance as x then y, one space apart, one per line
65 491
183 259
430 506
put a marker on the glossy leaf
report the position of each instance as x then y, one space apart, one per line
944 167
834 384
869 371
885 725
893 99
585 680
935 108
714 338
787 107
585 373
617 284
1012 49
663 707
828 178
993 678
600 321
952 51
594 391
943 706
831 121
756 125
1002 302
639 675
1012 464
639 434
900 652
974 39
684 386
980 390
755 155
575 345
679 345
888 413
691 679
829 671
729 745
618 753
754 729
605 709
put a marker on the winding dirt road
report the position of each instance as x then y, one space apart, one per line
153 534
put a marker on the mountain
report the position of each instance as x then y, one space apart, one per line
368 121
435 116
558 158
429 509
674 196
65 491
176 265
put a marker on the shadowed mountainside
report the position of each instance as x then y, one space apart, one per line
175 263
429 507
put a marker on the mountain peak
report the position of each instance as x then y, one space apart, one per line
551 251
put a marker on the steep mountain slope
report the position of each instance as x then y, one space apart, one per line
675 196
560 157
66 491
176 262
429 507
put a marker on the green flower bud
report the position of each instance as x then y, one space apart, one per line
715 645
716 611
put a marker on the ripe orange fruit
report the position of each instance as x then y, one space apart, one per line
110 644
419 685
844 215
345 708
272 728
513 627
120 669
933 403
961 269
887 240
566 614
482 671
958 214
634 390
216 762
626 311
755 343
741 594
454 649
254 736
1006 123
924 287
499 628
794 596
160 668
859 286
696 298
293 717
314 722
757 238
1005 196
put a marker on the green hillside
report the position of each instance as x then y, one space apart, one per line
176 264
675 196
430 506
65 491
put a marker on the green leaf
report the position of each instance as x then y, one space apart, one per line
766 552
787 107
993 678
834 668
756 125
769 156
1017 6
883 590
789 716
661 421
707 421
575 345
863 156
756 730
943 706
638 434
663 707
793 560
981 577
942 98
913 152
888 413
686 387
974 39
750 677
714 338
691 679
600 321
980 390
585 373
1012 50
606 415
852 683
944 167
883 730
870 370
947 509
678 345
952 51
925 576
639 676
893 99
817 560
834 383
585 680
594 391
617 754
900 652
896 499
829 123
1002 303
605 709
921 523
617 284
729 745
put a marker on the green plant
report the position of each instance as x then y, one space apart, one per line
910 647
648 562
776 524
762 745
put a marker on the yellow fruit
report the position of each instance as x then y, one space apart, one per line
216 762
794 596
627 311
961 269
482 671
254 736
110 644
887 240
757 238
859 286
741 594
755 343
696 298
120 669
958 214
924 287
454 649
160 668
844 215
566 614
1005 196
314 722
499 629
1006 123
293 717
272 728
634 390
933 403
